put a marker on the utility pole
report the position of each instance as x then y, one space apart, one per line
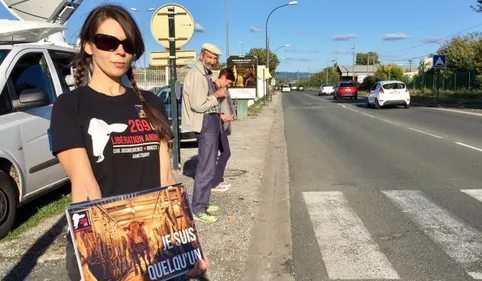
368 62
227 31
176 153
353 67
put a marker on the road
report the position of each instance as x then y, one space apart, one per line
383 194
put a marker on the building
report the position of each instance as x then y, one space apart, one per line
361 71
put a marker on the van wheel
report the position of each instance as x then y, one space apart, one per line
406 106
8 204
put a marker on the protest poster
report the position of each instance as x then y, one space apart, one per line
149 235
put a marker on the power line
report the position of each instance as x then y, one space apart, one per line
429 43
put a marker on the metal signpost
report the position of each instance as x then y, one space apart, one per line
439 62
179 33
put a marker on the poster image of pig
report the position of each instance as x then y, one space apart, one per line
144 236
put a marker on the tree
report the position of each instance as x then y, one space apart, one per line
329 74
390 71
478 7
219 66
260 53
463 52
362 58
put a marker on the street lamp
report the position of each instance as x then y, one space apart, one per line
292 3
284 46
143 31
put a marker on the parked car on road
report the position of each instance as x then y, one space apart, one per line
301 88
386 93
345 89
326 89
164 93
286 88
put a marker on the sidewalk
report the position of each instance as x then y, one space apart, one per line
38 255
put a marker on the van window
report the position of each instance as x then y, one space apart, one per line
5 101
63 65
32 72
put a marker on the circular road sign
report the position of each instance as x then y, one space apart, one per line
183 23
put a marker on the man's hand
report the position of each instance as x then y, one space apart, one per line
200 267
227 118
221 93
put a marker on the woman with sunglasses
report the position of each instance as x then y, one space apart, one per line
92 125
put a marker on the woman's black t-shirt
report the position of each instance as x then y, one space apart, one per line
123 148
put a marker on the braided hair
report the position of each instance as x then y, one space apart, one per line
83 60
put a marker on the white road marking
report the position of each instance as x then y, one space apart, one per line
457 111
348 250
368 115
343 105
469 146
458 240
390 122
428 134
474 193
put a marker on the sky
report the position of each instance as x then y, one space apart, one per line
318 31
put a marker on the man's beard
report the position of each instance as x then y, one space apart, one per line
207 66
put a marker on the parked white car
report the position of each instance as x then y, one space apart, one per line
389 93
326 89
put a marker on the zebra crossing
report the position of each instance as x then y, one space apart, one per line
350 252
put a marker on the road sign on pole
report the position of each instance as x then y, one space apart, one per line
439 61
183 57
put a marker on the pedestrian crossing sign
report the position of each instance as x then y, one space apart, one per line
439 61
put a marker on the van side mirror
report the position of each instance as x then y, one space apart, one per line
30 98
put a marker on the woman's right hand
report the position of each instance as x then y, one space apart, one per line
200 267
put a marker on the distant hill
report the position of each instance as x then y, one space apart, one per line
291 76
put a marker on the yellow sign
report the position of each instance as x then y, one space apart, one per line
183 25
183 57
266 73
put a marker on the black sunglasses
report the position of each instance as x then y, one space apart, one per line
110 43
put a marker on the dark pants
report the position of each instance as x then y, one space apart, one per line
71 260
223 158
208 141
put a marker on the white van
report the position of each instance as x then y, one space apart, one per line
33 76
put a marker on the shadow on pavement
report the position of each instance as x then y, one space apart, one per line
29 260
189 168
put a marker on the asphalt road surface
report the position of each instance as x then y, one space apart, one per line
390 194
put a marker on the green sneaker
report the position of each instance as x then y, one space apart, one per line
205 217
212 208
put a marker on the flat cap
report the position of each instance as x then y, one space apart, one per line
211 48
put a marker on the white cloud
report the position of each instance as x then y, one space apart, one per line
255 29
344 37
395 36
199 28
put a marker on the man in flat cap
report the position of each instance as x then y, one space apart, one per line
200 114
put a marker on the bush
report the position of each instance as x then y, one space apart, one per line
368 83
